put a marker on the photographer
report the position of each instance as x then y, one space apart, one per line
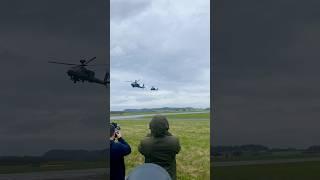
160 146
118 149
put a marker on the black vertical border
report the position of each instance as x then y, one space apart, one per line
107 5
212 107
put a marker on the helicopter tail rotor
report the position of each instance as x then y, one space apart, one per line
107 78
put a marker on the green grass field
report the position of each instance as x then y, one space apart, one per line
285 171
193 161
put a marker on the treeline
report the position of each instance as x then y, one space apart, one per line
164 109
253 148
57 155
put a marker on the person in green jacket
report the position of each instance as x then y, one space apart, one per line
160 146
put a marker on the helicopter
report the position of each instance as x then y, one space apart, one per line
154 89
135 84
79 73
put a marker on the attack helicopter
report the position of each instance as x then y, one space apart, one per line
79 73
154 89
136 84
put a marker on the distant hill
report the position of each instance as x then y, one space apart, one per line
313 149
75 155
163 109
256 149
101 155
57 155
241 148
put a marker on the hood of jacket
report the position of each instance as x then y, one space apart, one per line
159 126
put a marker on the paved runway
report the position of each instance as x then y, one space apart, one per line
261 162
150 115
87 174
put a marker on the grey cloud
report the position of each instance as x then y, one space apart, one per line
165 45
123 9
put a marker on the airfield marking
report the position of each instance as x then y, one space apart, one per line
262 162
150 115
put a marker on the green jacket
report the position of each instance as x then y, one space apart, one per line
162 151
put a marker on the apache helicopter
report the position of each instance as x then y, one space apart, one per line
79 73
135 84
154 89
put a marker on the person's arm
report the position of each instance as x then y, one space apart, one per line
125 148
141 149
178 146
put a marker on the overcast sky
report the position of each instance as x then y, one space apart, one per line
163 43
266 74
267 88
41 109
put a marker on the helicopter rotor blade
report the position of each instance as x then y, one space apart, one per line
55 62
97 65
87 62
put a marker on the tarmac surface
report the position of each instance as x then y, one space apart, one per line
150 115
87 174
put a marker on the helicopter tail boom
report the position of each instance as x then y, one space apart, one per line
105 81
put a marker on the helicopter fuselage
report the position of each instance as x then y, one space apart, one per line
136 85
80 73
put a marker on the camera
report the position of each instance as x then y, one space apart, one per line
116 127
